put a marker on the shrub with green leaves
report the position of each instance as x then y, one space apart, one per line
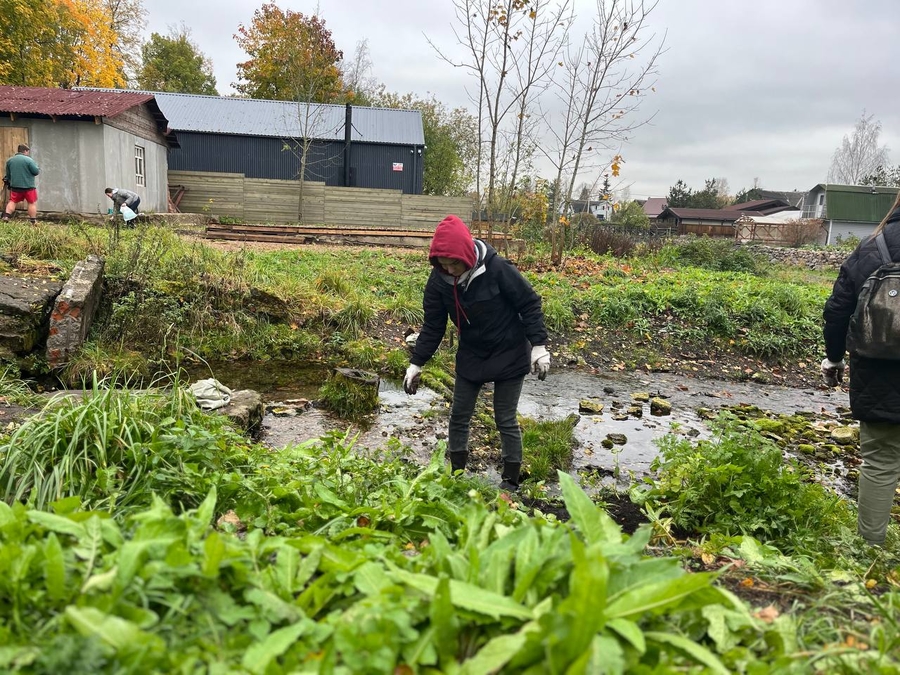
498 591
739 483
721 255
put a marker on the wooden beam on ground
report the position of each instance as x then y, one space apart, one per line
291 234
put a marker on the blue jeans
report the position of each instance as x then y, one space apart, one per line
506 403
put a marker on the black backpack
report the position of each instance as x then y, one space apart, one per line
875 325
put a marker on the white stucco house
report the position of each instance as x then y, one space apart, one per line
85 141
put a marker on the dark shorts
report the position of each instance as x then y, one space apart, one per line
19 195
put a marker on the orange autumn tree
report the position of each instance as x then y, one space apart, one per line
91 39
58 43
292 58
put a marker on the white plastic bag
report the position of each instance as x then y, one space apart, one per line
127 213
210 394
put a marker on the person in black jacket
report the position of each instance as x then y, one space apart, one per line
874 384
501 337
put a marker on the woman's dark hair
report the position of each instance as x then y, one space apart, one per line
891 210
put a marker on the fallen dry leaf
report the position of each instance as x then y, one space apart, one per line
767 614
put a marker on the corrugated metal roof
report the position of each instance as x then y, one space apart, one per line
854 203
288 119
81 103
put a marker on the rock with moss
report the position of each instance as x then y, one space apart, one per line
643 397
660 407
845 435
767 426
590 405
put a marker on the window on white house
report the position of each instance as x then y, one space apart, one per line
821 199
140 177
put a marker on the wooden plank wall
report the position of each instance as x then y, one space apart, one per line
708 230
271 201
426 211
10 139
257 200
220 194
363 207
313 207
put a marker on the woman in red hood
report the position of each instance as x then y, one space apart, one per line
501 337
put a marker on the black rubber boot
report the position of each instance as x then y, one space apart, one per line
458 460
509 479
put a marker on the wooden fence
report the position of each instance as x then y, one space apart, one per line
791 233
264 201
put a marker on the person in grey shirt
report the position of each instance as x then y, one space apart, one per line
121 196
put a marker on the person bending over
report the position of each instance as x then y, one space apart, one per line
122 197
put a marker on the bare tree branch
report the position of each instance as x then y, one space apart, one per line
859 155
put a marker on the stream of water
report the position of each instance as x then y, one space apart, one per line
420 421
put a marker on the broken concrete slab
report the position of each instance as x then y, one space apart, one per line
74 311
25 305
245 409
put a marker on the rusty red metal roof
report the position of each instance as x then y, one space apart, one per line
80 103
46 101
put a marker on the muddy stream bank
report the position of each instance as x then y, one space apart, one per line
420 421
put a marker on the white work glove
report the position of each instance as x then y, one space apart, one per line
833 372
540 361
411 381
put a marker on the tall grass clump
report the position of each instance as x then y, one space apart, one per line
334 282
355 315
405 307
14 390
558 314
547 446
113 448
42 242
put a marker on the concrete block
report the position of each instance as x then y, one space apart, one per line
74 310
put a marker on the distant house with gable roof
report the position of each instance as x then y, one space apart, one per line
721 222
848 210
653 206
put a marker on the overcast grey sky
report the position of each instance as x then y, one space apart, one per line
746 89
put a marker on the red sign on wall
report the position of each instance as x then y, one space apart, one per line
398 166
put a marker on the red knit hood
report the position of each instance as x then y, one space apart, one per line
452 239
